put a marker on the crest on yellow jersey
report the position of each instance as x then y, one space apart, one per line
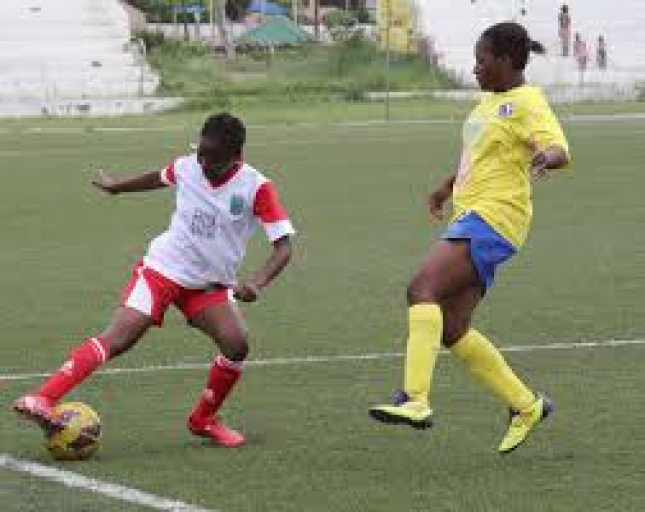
505 110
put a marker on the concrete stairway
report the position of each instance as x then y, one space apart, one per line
52 50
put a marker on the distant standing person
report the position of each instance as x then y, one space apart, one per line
564 29
581 54
601 53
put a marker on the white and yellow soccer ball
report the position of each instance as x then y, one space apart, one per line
76 434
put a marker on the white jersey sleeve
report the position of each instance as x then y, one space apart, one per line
270 213
168 174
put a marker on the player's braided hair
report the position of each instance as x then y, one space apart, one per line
229 130
512 40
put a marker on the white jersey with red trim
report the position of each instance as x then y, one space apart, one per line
212 223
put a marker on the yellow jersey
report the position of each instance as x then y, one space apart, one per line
493 178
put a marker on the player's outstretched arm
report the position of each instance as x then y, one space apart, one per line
280 256
109 184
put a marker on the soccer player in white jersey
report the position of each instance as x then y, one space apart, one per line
192 265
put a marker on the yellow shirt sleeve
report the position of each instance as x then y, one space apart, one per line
538 125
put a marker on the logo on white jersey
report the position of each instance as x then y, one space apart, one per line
236 205
204 224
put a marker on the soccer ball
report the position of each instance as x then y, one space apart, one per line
76 433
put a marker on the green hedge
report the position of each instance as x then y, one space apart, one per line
348 69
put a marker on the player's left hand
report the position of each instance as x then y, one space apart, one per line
539 165
246 292
105 182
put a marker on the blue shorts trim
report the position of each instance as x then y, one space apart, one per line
488 248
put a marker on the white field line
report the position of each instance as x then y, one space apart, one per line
145 499
575 118
11 153
76 481
302 360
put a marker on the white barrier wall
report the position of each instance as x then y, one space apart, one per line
58 49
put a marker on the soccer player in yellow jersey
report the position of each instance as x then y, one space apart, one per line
511 137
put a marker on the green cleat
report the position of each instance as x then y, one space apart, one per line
403 411
523 422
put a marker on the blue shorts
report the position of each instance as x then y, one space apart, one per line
487 247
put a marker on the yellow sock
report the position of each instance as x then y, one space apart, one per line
424 340
489 366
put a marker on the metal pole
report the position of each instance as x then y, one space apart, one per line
185 18
175 22
317 20
142 64
211 21
388 22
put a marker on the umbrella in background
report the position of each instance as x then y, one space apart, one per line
265 7
276 32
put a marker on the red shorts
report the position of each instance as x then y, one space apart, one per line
151 293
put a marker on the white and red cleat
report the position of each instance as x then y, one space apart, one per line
212 428
35 408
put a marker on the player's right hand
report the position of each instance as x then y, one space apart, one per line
436 201
246 292
105 182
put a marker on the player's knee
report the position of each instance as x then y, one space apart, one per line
453 330
235 348
118 343
448 338
236 352
420 291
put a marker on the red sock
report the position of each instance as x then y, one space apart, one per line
83 360
222 377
